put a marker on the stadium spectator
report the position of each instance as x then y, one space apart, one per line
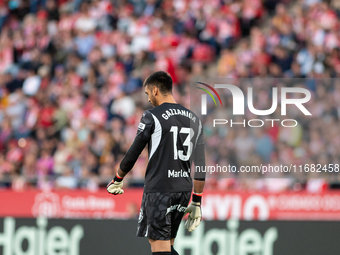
71 73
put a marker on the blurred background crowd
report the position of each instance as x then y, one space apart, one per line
71 75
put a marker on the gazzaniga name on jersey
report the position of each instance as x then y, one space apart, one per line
175 174
171 112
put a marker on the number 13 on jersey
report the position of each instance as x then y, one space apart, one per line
187 142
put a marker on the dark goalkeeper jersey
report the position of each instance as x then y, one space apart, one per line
175 138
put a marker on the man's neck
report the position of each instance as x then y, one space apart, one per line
167 99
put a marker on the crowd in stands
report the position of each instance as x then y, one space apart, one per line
72 72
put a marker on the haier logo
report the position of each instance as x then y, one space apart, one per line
38 240
229 240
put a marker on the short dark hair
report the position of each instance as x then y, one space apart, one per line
161 80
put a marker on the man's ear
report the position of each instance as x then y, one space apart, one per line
155 90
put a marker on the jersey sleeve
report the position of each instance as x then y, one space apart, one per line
145 129
199 155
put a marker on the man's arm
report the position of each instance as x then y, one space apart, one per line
121 173
194 208
199 176
199 160
198 186
145 129
131 157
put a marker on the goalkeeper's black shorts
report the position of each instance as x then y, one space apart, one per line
161 214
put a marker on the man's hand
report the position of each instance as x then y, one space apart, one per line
195 216
115 187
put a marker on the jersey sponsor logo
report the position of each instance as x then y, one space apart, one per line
178 207
176 174
141 126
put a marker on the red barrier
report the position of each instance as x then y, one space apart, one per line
272 206
68 204
216 205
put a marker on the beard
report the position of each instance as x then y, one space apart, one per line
153 100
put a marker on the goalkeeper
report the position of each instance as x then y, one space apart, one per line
175 137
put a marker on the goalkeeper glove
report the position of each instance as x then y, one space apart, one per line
195 214
115 186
